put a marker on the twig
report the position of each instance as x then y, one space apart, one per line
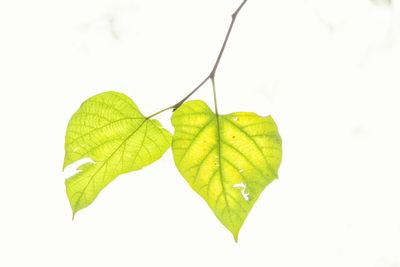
211 76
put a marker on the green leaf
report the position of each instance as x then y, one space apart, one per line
227 159
110 130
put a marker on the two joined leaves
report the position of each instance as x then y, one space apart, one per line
227 159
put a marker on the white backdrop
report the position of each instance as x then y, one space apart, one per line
328 72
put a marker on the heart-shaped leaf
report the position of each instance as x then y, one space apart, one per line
110 130
227 159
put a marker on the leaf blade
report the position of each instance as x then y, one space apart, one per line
226 158
110 130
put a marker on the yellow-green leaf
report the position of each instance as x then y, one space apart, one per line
227 159
110 130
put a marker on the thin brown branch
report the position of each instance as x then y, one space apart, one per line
211 76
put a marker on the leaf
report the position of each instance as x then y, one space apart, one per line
110 130
227 159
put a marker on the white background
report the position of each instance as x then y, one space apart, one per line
328 71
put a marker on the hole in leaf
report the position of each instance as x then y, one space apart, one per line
73 168
243 191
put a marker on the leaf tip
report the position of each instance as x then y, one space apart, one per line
235 235
73 215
